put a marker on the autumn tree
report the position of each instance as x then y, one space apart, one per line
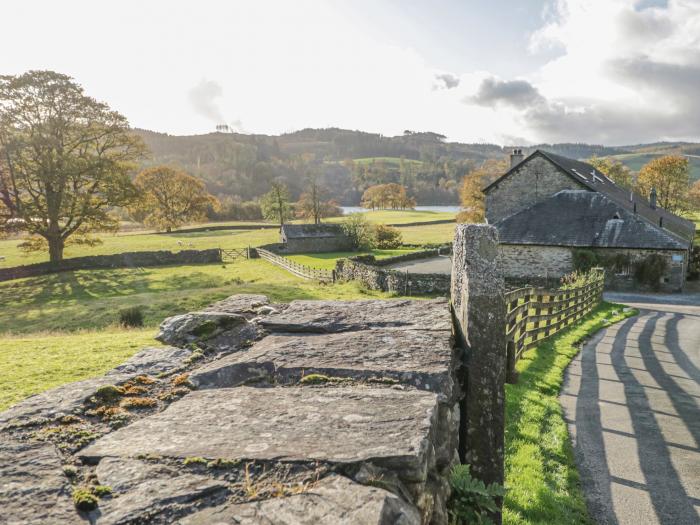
275 203
387 196
471 196
169 198
670 176
67 160
312 206
694 196
614 170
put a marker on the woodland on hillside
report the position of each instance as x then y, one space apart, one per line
242 167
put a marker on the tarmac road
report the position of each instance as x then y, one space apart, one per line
631 399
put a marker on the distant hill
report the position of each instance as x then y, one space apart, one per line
242 166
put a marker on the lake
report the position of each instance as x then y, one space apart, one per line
448 209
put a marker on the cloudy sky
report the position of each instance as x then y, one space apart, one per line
505 71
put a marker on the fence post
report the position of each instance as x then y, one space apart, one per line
479 309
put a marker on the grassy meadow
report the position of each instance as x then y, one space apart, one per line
64 327
133 241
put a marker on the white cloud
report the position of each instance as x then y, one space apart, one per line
625 74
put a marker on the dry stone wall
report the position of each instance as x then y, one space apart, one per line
118 260
344 412
374 275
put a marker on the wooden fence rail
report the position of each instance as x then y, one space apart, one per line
534 314
300 270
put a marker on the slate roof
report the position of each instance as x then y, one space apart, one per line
311 231
592 179
593 220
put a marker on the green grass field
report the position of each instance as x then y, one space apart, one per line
542 482
32 364
138 241
63 327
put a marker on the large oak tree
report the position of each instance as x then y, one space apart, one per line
67 159
170 197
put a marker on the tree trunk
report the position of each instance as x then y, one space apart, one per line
56 245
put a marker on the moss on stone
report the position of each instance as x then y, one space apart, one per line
144 380
84 499
221 463
138 402
101 490
194 461
108 394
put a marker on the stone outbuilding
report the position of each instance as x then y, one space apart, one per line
546 207
314 238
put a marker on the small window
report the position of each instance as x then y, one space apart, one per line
616 216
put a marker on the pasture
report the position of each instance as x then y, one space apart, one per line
64 327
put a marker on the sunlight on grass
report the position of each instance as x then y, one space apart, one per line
92 299
32 364
542 481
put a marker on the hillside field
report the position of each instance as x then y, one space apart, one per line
133 241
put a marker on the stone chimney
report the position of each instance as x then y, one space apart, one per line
516 157
652 199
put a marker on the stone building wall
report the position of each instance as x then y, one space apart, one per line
118 260
537 264
316 245
522 260
672 281
530 183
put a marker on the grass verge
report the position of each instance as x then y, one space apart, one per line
542 482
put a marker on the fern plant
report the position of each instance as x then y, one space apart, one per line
471 500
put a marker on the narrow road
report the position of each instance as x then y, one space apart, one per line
631 399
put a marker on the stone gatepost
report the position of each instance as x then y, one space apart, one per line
479 311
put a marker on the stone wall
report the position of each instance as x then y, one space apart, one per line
316 245
530 183
119 260
672 281
372 274
543 265
336 412
523 261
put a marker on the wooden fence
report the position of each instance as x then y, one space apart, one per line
534 314
300 270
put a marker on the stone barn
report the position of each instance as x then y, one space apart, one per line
548 207
314 238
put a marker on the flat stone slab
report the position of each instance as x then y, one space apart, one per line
342 316
419 358
69 398
33 488
239 304
218 331
144 490
334 501
337 425
152 361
